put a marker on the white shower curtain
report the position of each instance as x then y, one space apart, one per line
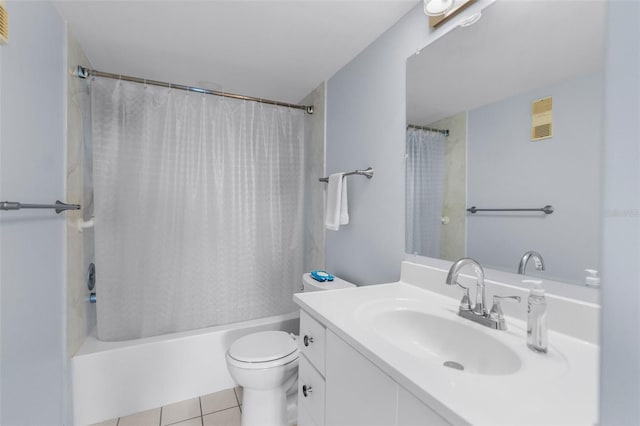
198 205
425 191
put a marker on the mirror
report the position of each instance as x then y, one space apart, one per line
503 151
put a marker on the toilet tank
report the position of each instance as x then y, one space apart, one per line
309 284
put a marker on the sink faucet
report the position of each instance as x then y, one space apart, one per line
478 312
537 258
452 278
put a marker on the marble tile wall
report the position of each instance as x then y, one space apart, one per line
452 236
314 231
81 315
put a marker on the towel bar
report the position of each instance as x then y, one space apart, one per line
368 172
59 206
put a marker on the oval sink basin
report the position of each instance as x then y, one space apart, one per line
448 342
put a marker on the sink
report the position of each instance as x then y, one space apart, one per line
447 342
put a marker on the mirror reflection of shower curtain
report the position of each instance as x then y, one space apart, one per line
199 209
425 191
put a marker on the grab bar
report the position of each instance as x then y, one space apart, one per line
59 206
368 172
546 210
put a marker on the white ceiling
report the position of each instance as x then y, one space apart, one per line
515 47
279 50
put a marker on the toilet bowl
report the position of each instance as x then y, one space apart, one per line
265 364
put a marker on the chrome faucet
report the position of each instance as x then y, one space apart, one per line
478 312
452 278
537 259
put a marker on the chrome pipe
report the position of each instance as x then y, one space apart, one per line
83 72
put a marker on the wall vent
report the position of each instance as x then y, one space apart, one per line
542 119
4 24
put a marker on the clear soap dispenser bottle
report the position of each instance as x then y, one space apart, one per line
536 317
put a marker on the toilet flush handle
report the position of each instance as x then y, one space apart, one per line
307 340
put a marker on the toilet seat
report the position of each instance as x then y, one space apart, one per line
289 359
263 350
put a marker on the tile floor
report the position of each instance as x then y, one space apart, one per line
217 409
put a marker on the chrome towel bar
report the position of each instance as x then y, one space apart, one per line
546 210
59 206
368 172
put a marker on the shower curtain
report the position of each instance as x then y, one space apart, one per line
199 209
424 191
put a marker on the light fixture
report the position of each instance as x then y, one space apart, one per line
437 7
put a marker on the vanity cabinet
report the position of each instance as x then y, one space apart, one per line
311 380
339 386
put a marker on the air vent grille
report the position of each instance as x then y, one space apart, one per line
4 24
542 119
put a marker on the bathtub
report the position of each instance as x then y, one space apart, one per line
114 379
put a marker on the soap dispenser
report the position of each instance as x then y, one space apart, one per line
536 317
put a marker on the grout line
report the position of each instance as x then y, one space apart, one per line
184 420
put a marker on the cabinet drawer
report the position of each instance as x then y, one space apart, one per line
311 384
312 341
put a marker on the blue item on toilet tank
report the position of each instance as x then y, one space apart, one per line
321 276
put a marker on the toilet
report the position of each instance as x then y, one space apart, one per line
265 364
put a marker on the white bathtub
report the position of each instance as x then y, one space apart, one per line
113 379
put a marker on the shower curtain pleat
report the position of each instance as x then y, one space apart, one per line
198 205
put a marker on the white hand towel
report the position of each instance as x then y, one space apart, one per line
336 213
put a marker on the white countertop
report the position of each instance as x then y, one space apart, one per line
557 388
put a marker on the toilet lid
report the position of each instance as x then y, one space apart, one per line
263 346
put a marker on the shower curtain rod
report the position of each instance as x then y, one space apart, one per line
430 129
83 72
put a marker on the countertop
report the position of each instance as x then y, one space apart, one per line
557 388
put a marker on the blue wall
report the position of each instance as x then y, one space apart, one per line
32 257
366 127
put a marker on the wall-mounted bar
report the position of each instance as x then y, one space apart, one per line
59 206
83 72
546 210
368 172
428 129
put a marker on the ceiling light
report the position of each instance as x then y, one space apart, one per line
437 7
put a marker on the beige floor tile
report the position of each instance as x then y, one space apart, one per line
191 422
228 417
112 422
238 390
145 418
218 401
183 410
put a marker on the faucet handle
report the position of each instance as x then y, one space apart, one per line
496 311
465 302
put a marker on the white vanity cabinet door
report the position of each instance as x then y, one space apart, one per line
311 383
412 412
304 418
357 392
312 337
